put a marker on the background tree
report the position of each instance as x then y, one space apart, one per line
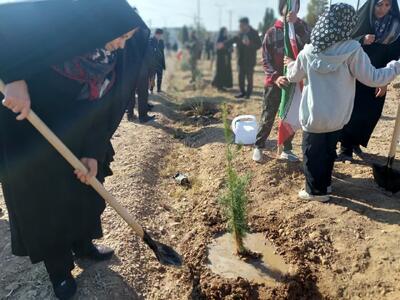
314 10
268 21
167 36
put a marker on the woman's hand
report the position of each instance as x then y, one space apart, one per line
381 91
287 60
220 46
91 165
282 82
16 98
246 42
369 39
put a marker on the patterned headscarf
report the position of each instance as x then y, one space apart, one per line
92 70
335 25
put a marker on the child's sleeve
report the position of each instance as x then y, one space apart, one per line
295 70
268 60
361 68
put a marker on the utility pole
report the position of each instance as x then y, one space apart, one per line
220 6
230 19
198 14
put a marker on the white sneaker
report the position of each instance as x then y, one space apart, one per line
257 155
303 195
289 156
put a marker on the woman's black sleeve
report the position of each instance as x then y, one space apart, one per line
97 136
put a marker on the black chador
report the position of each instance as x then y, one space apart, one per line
223 75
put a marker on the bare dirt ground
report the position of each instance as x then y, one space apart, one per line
346 249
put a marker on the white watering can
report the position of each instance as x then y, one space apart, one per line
245 129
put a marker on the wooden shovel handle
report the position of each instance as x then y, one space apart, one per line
396 134
78 165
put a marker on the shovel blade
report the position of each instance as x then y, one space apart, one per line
166 255
387 178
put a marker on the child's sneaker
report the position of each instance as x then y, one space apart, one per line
303 195
257 155
289 156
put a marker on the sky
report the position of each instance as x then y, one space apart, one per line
213 13
176 13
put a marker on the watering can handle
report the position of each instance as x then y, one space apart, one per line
244 117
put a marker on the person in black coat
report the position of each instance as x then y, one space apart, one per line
223 75
143 57
248 43
158 68
378 30
209 48
81 92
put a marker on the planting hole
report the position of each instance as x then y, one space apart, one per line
269 269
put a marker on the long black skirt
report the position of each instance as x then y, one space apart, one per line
223 76
366 114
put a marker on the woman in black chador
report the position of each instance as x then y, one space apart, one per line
223 75
379 31
78 78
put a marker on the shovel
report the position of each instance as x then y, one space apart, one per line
385 176
165 254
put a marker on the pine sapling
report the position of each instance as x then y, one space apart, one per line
234 200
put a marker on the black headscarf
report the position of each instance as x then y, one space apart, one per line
386 30
222 37
335 25
41 33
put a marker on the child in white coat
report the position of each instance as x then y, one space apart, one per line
331 64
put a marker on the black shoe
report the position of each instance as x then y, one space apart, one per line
146 119
247 97
65 289
150 107
93 252
357 150
159 91
239 96
131 118
343 157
